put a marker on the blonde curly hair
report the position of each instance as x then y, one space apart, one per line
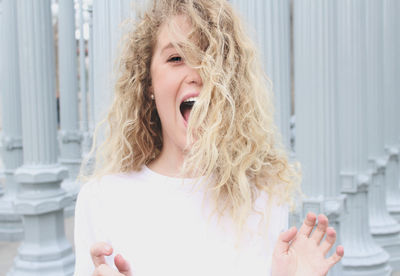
233 138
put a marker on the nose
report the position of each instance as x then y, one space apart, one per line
193 77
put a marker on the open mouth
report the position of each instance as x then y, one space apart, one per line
186 107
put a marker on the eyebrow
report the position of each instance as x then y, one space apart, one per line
168 46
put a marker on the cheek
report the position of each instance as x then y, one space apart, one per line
166 108
166 81
165 96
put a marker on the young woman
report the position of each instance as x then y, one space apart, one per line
192 179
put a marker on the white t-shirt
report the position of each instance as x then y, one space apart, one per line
161 226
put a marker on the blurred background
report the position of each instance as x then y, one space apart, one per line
335 70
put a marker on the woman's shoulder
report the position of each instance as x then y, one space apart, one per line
272 202
274 211
110 183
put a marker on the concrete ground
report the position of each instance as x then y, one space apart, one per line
8 250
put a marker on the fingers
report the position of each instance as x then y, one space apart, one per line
98 251
283 242
335 258
329 241
308 224
101 249
320 231
122 265
105 270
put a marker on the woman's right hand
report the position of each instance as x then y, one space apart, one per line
302 253
101 249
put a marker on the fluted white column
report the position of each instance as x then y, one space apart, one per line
397 69
107 33
396 7
91 68
363 255
86 135
11 139
1 10
45 249
315 106
271 21
70 137
384 228
391 104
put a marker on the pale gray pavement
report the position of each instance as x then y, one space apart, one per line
8 250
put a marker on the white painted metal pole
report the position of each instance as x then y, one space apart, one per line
45 249
86 142
391 97
316 108
107 34
11 228
363 255
270 19
91 84
384 228
316 103
70 136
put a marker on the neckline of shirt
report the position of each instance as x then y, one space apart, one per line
146 170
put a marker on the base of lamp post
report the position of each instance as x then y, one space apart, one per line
379 270
45 251
394 211
60 267
11 227
390 243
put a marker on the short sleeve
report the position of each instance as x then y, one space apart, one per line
279 221
90 226
284 215
84 235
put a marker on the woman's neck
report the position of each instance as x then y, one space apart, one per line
169 162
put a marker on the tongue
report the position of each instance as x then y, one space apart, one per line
186 114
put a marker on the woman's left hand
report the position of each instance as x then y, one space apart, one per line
302 253
101 249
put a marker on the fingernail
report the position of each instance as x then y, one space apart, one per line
107 248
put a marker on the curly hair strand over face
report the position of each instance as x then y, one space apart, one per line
233 139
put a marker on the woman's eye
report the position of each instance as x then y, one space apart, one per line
175 59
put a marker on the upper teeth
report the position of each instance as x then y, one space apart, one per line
191 99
